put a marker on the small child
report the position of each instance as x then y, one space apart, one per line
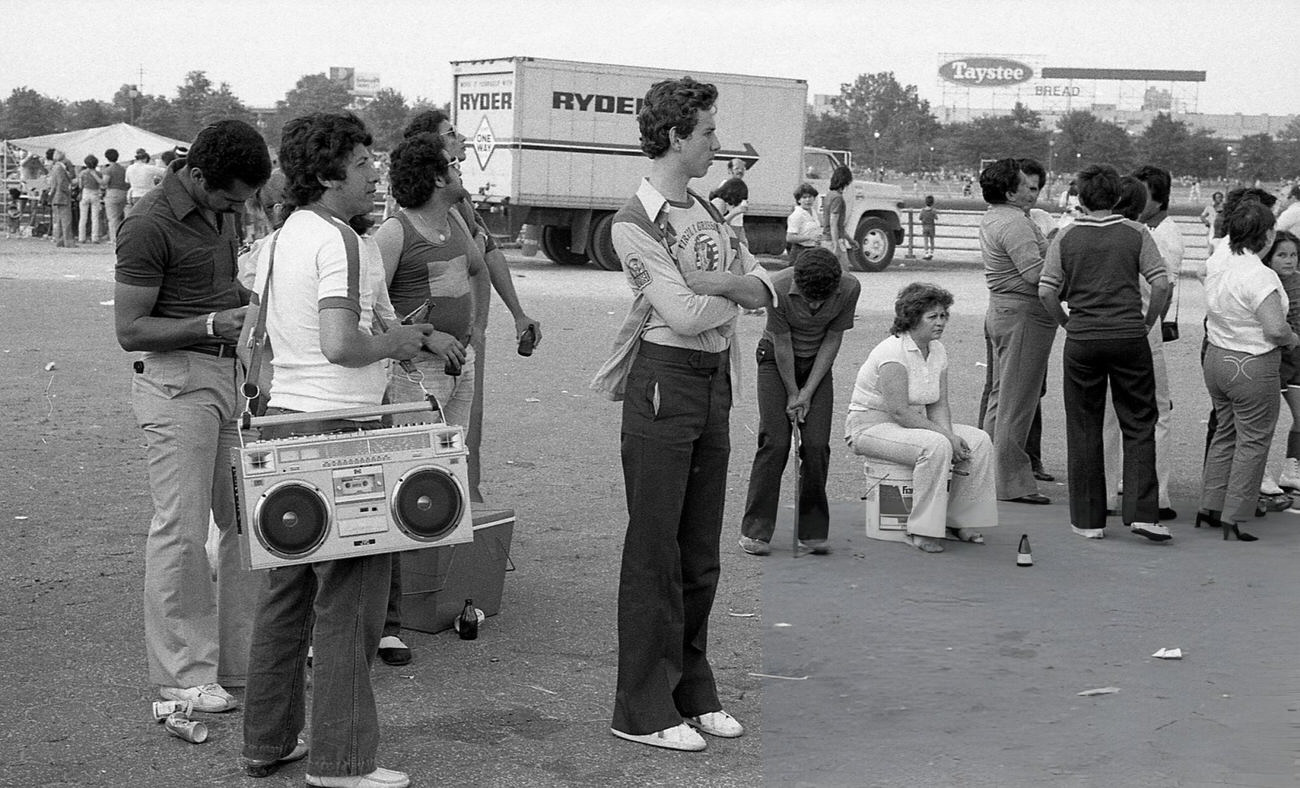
928 218
14 212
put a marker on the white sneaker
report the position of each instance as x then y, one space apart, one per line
1290 476
1153 531
211 698
1089 533
755 546
379 778
1267 486
678 737
717 723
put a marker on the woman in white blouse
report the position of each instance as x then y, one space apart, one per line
899 413
1245 325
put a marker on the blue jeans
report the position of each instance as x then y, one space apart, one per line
675 445
338 608
774 433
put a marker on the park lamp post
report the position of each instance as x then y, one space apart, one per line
1051 158
875 155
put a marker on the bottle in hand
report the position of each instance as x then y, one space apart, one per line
527 341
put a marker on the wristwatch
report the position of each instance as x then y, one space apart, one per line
212 319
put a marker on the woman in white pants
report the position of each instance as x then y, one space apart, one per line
899 413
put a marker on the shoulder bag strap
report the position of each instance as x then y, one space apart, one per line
257 340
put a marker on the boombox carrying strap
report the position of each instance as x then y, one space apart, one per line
257 342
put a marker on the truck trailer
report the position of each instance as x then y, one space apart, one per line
555 145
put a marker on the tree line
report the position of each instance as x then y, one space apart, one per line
886 124
199 101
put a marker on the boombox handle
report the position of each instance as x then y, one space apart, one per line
352 414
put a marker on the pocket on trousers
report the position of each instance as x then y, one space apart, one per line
165 375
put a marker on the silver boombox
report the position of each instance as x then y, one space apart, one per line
324 497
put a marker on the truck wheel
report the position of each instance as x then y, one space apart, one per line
555 243
602 245
875 246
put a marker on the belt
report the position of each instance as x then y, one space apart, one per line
700 359
220 351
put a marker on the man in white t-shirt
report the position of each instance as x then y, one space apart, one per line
327 287
141 177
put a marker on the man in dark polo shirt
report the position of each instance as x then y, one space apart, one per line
177 300
814 307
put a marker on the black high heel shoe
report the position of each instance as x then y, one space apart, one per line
1231 529
1210 518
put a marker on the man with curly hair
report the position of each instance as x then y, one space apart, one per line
674 370
326 308
795 388
178 300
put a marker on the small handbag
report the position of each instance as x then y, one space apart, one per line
1169 328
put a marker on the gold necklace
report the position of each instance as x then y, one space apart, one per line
429 228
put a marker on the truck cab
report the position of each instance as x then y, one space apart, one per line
873 218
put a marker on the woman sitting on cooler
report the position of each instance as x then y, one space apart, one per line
899 413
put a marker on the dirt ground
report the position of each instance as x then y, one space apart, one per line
951 670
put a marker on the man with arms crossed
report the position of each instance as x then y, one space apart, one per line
673 369
177 299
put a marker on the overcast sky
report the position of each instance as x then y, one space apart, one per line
261 47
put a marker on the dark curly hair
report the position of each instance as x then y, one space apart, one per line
672 104
915 300
1099 187
413 166
998 179
425 122
1247 226
1132 198
229 151
817 273
315 147
733 191
804 190
841 176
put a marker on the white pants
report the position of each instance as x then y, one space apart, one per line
968 502
1113 447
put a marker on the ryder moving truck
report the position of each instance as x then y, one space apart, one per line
555 145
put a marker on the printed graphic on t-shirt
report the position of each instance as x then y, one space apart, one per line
700 245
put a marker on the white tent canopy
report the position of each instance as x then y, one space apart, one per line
79 144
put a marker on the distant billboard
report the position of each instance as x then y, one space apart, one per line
359 83
986 72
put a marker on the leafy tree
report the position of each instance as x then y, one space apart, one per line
221 104
1206 156
27 113
1075 127
190 99
1166 143
828 131
1025 117
89 114
890 123
314 93
386 116
159 116
1256 158
1110 144
993 137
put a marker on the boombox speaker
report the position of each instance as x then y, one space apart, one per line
325 497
